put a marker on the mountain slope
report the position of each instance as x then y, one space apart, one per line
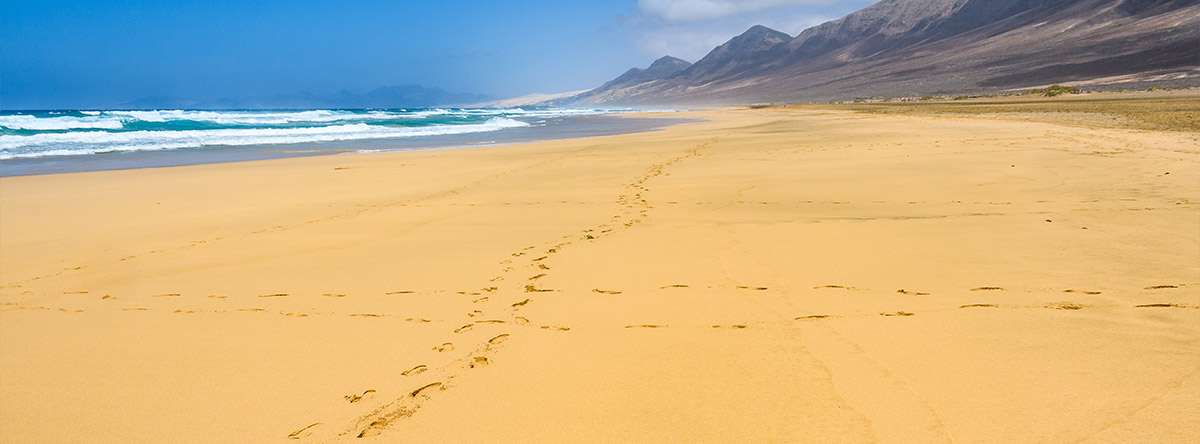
746 51
616 89
916 47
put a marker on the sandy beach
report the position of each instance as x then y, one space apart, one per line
767 275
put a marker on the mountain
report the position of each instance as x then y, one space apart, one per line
626 83
917 47
739 55
403 96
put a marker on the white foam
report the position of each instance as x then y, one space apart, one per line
92 142
254 117
28 122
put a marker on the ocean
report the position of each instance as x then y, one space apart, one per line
42 142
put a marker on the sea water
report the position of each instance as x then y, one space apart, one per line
37 142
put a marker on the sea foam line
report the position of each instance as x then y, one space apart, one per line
93 142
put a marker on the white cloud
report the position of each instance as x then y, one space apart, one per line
691 10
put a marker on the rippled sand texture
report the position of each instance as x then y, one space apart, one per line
773 275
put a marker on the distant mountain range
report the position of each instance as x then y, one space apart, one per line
898 48
403 96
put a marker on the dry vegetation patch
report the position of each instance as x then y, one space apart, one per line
1177 110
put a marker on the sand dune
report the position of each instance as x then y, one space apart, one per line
774 275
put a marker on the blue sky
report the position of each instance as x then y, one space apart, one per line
97 53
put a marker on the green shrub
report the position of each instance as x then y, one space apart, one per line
1057 90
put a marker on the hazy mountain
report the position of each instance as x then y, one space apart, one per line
917 47
534 99
619 87
403 96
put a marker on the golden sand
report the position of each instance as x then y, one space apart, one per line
776 275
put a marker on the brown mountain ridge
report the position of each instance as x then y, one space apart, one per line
900 48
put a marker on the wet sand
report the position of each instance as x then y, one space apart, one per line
772 275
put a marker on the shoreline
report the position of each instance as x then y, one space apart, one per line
562 128
759 275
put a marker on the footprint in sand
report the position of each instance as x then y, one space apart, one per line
898 313
521 320
475 313
419 320
75 292
444 347
1064 306
217 296
498 339
987 289
839 287
107 296
464 328
479 361
738 326
597 290
646 326
373 429
1082 292
911 293
1159 306
532 289
802 318
480 300
333 295
166 295
1161 287
746 287
489 321
399 292
673 286
273 295
252 309
414 371
555 327
520 304
367 315
426 389
978 306
363 397
304 432
538 277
